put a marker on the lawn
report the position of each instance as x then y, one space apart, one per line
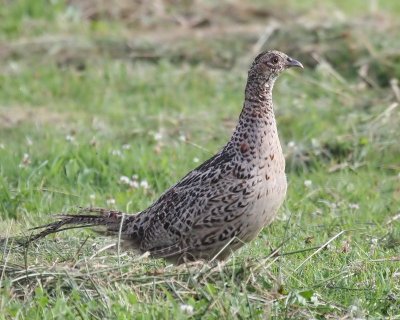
92 92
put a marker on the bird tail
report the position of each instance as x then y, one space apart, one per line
88 217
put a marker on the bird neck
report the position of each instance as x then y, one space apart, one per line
256 136
258 112
258 93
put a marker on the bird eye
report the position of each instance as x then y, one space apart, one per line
275 60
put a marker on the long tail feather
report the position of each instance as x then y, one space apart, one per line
103 217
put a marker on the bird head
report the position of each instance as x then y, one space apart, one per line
269 64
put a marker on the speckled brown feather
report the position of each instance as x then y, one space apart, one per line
223 203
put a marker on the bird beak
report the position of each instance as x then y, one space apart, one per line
293 63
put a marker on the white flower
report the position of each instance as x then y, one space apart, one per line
187 308
354 206
29 141
144 184
314 299
69 138
353 309
134 184
14 66
2 146
291 144
126 146
124 180
196 160
92 197
158 136
315 143
307 183
135 177
110 202
182 137
25 161
116 153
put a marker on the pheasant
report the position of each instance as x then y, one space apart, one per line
222 204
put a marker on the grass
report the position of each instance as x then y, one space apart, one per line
90 93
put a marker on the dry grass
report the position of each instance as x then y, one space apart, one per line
152 88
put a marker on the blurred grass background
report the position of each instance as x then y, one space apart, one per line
95 91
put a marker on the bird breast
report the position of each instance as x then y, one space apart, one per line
269 187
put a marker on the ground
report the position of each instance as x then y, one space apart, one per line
109 103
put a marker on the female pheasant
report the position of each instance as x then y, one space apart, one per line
224 202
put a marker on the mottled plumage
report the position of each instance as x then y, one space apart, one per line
224 202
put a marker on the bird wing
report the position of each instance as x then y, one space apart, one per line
206 197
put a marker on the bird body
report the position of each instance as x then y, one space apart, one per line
223 203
